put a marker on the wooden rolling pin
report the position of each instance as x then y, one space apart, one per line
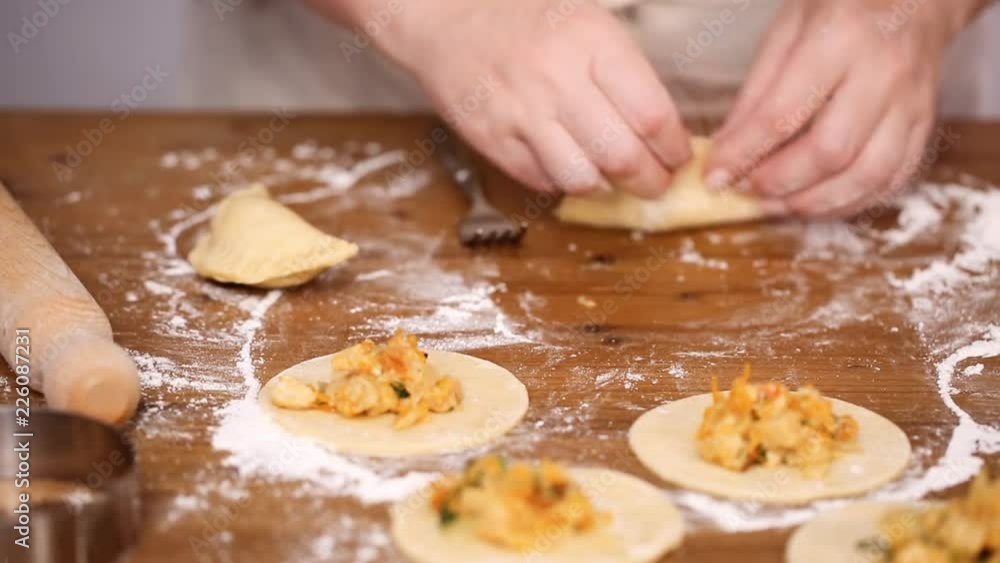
73 357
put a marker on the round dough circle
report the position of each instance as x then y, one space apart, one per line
663 440
833 536
494 401
644 526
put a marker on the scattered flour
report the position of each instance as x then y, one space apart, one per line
690 255
928 304
71 198
170 160
631 378
976 212
202 192
832 240
157 288
157 372
153 370
465 315
976 369
918 216
604 378
677 371
188 160
960 462
368 276
304 151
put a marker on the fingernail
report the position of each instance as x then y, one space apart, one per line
773 207
718 180
604 186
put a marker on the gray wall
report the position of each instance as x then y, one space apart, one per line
89 52
92 52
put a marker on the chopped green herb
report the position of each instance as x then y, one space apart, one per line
448 516
876 546
400 390
559 490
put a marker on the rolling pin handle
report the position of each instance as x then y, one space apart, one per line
95 377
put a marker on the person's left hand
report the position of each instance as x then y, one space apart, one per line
838 106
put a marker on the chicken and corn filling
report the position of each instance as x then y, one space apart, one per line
766 424
965 530
378 378
517 506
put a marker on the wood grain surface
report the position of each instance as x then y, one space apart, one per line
798 311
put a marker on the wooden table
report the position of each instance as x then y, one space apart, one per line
796 314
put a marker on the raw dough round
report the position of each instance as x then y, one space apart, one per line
832 537
644 526
494 401
664 441
686 203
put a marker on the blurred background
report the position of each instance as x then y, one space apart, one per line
92 52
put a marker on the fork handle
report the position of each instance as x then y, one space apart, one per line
455 158
471 187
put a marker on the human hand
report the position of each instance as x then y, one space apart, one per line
838 106
556 100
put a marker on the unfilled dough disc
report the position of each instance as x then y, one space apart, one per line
494 402
833 536
644 526
664 441
686 203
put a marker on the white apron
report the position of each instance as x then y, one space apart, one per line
262 54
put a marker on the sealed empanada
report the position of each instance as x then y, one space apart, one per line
686 203
255 240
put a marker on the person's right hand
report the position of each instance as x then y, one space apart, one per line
556 100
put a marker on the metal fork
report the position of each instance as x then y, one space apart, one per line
483 224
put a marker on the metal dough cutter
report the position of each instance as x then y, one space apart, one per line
68 489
